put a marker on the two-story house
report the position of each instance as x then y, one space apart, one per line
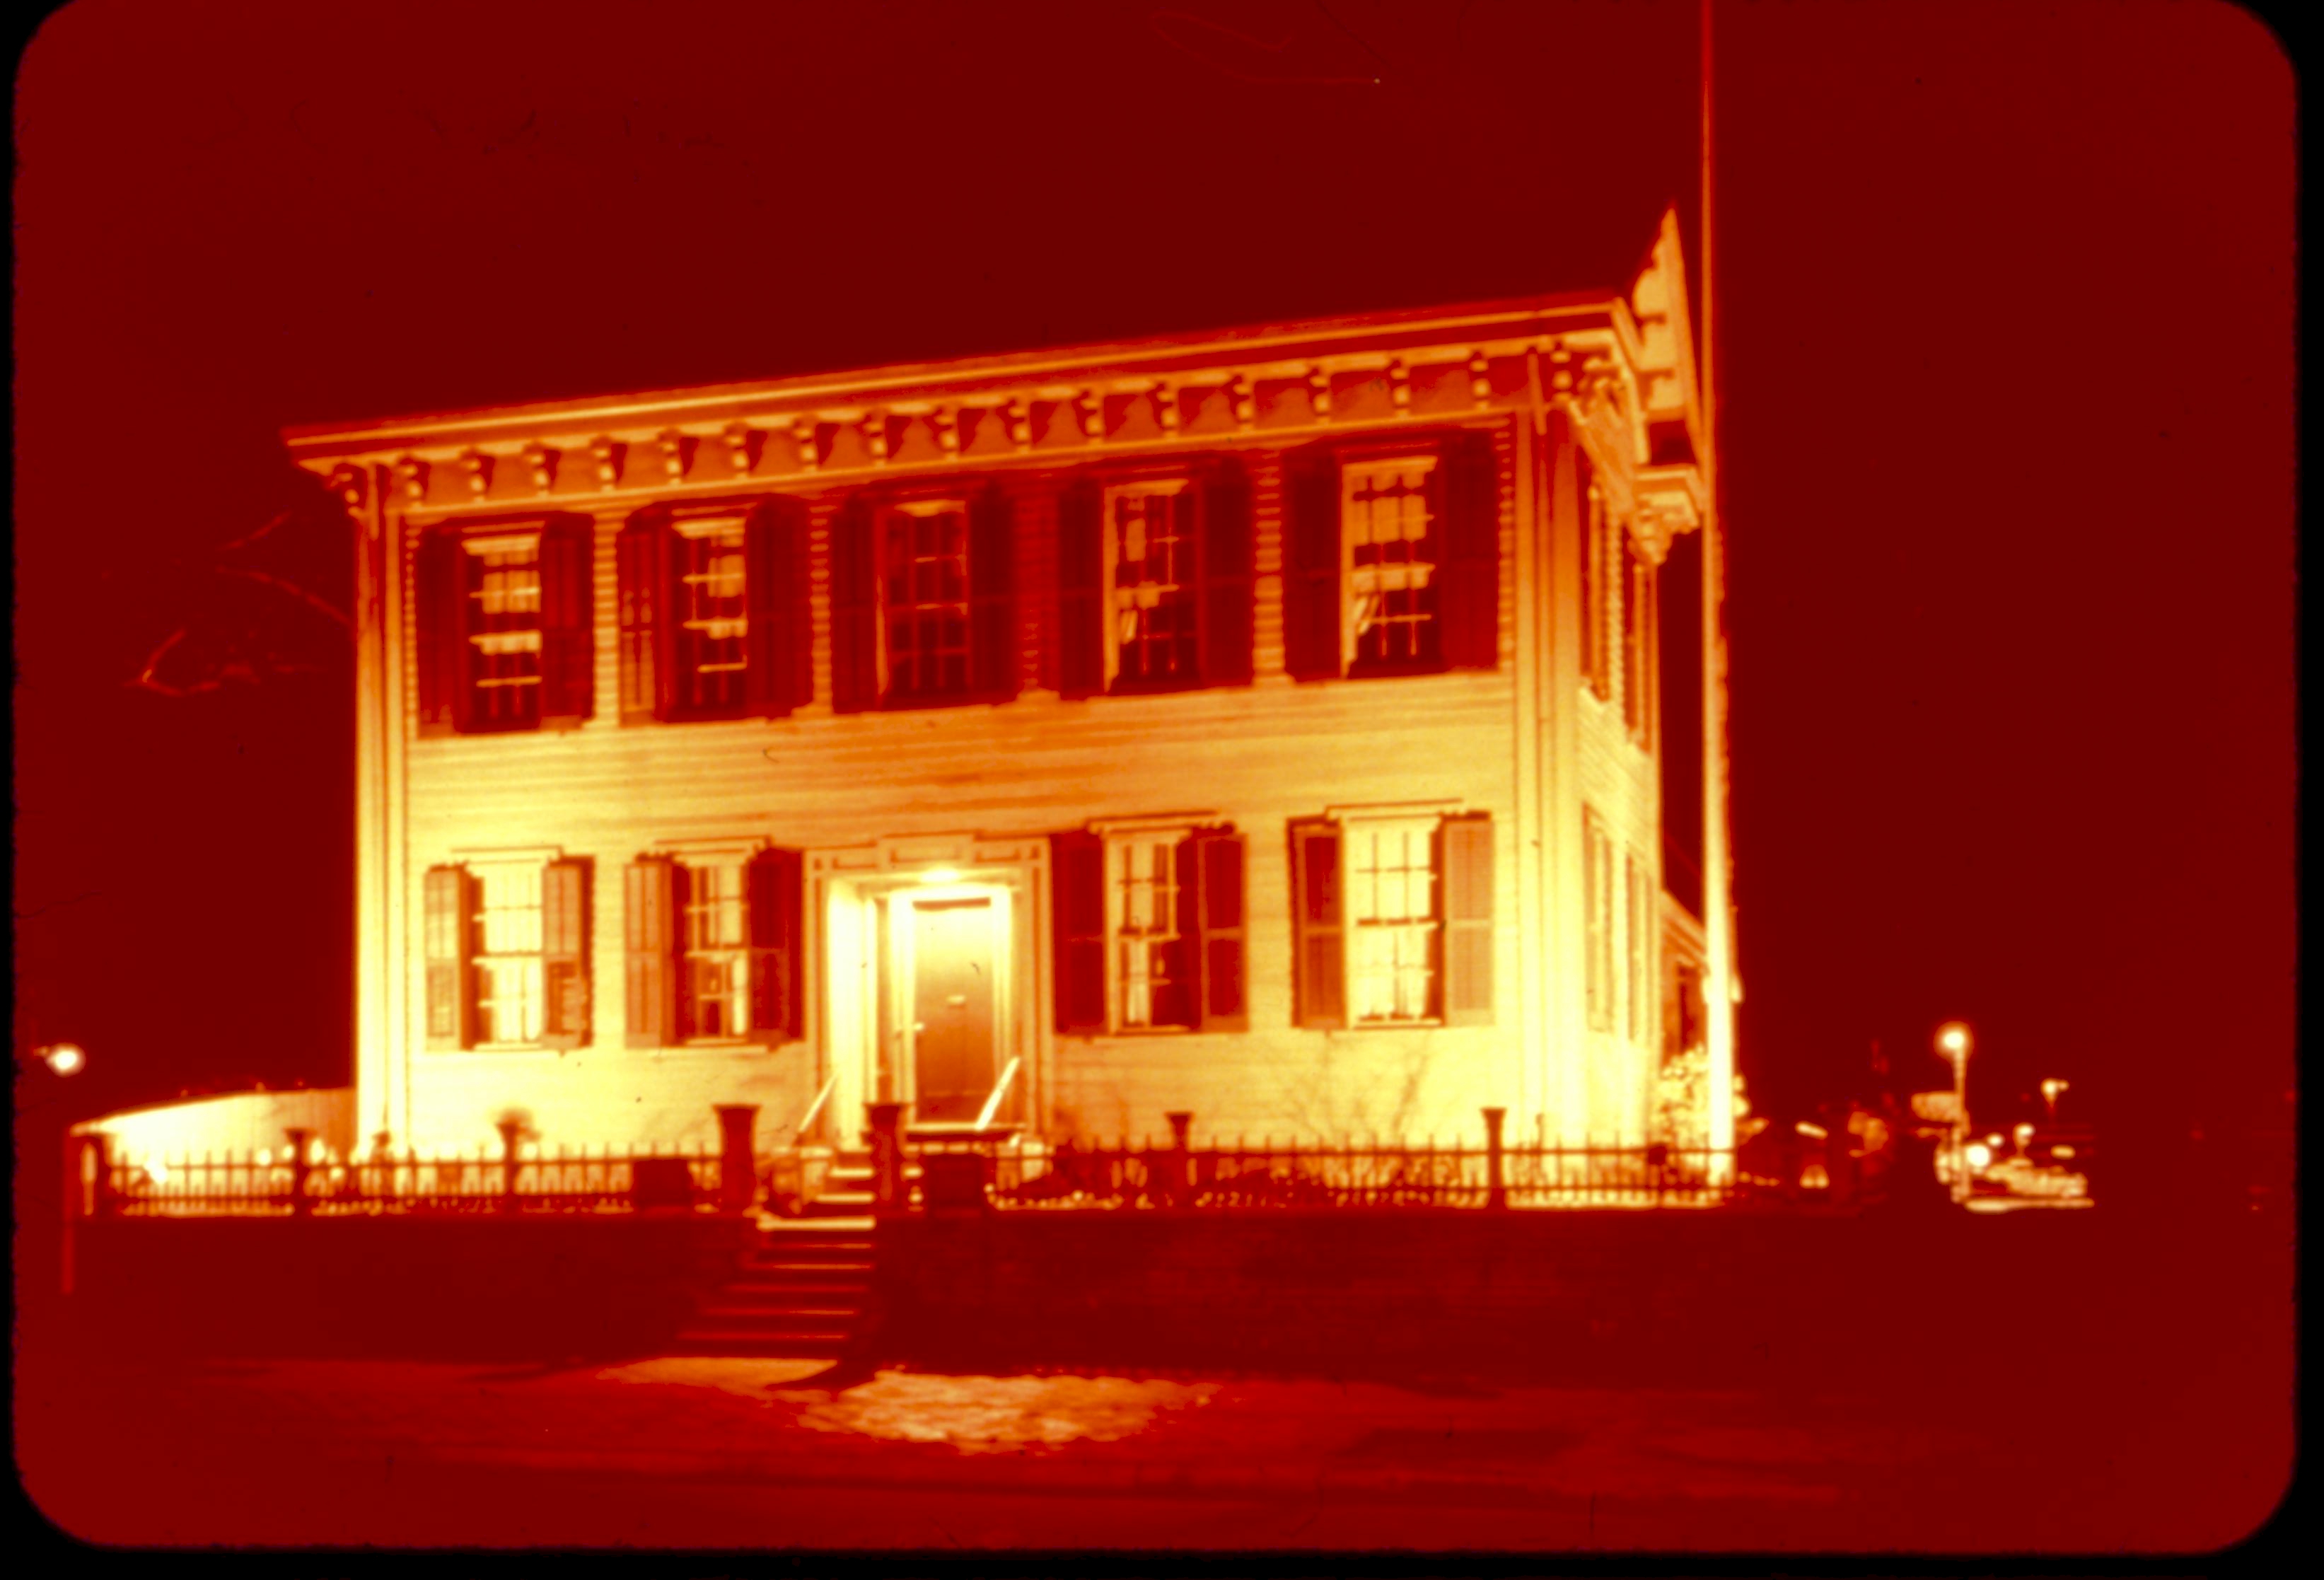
1266 723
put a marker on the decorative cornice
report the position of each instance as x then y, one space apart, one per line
1180 398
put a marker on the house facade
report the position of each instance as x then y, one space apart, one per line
1269 724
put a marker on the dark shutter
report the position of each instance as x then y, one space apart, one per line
650 924
565 952
1318 946
1469 607
439 604
1226 563
992 594
1310 564
678 685
1082 633
1465 851
774 554
1077 888
447 928
1218 872
568 649
776 915
637 556
854 607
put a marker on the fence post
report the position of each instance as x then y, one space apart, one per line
738 1162
887 1195
1182 1165
510 1129
1497 1190
300 1205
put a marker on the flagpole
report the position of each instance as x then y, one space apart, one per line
1717 914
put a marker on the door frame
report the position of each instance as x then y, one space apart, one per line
852 889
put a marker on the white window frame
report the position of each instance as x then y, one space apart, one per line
1401 933
1115 605
1354 473
733 867
931 506
1598 922
1122 986
514 953
494 644
732 628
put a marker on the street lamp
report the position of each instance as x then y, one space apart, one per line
1953 1043
65 1058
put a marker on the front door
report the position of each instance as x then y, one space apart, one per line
952 1004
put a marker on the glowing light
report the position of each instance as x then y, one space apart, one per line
1979 1154
1994 1140
941 875
1952 1040
157 1171
2062 1150
65 1058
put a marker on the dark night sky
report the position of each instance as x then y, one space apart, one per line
2005 298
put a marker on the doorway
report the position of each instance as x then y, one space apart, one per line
947 956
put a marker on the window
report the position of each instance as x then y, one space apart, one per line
712 941
923 610
712 662
506 947
1392 558
501 626
1149 930
1595 668
924 598
1154 580
713 610
1392 919
1388 512
1637 641
1638 892
1598 913
1149 551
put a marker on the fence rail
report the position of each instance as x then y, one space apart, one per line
1272 1174
261 1185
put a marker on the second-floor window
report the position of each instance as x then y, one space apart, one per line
1391 558
923 611
1637 643
713 608
1150 929
1596 576
501 625
1154 579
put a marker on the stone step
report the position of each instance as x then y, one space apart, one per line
786 1318
802 1344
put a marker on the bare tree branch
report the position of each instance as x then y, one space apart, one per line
299 593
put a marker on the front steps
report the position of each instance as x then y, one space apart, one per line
801 1288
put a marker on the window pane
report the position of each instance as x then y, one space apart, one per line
1391 563
1150 542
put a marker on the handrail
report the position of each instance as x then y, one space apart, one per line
1000 1090
815 1109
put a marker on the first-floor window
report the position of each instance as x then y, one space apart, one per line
1393 967
1637 641
1150 929
1598 913
712 945
1640 888
1393 919
505 942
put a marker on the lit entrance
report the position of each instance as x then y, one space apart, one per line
927 994
944 957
